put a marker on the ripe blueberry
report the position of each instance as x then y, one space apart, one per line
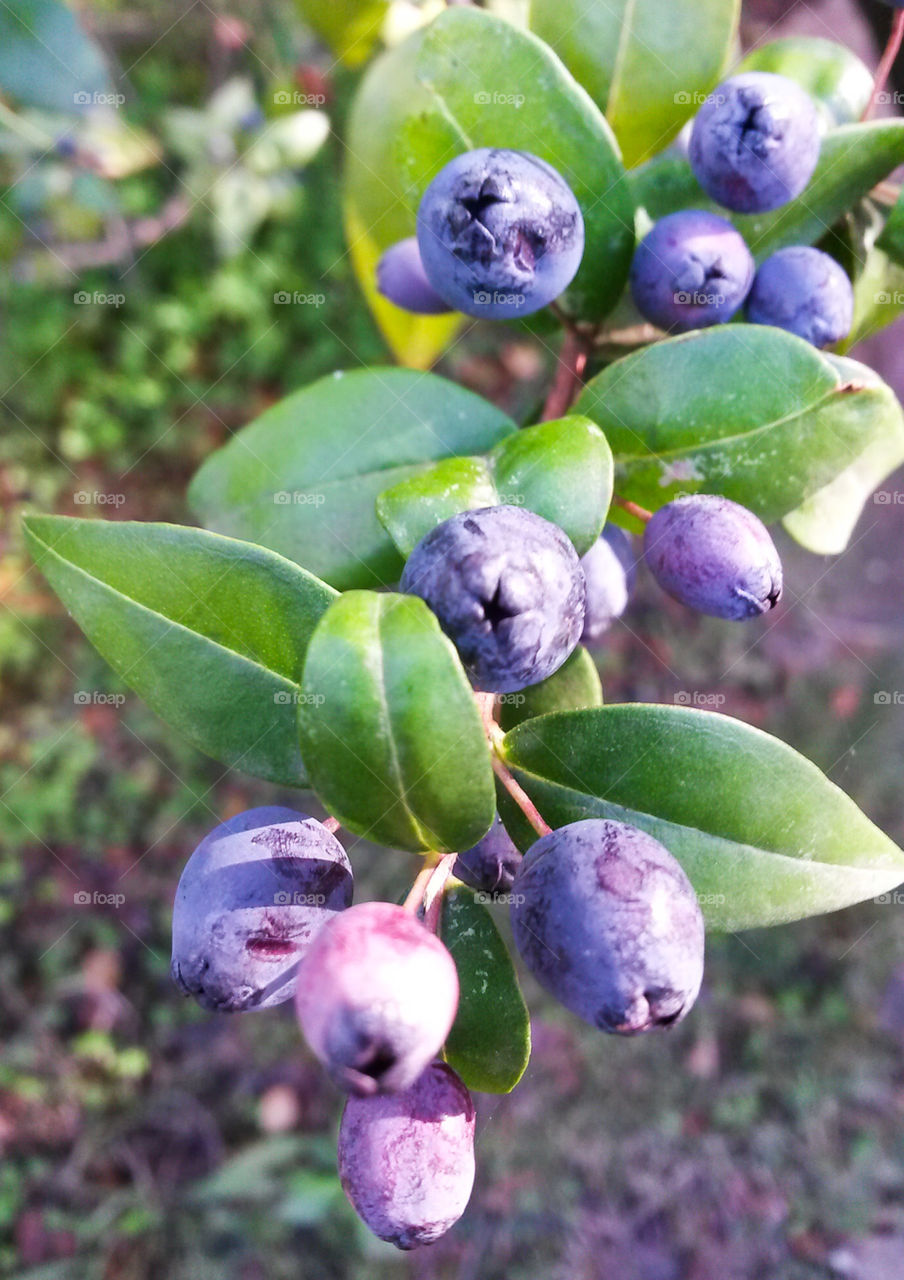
500 233
491 865
401 279
691 270
609 571
250 899
714 556
607 921
804 291
406 1160
508 590
376 998
755 142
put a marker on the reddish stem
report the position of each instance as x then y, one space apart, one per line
641 513
572 361
416 892
892 49
433 894
332 825
521 798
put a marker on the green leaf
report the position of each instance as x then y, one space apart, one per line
351 28
471 80
410 509
576 684
390 729
210 632
833 76
47 60
303 478
747 411
891 241
763 835
645 65
489 1044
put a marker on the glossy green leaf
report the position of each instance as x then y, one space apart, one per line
489 1044
576 684
891 241
646 63
210 632
389 727
410 509
47 60
351 28
835 78
303 478
471 80
747 411
763 835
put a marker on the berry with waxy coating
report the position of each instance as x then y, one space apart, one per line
508 590
610 571
692 270
250 899
803 290
491 865
401 279
406 1160
755 142
715 556
607 921
500 233
376 998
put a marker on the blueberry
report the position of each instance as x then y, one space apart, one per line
377 995
250 899
806 292
508 590
755 142
500 233
401 279
607 921
715 556
491 865
691 270
406 1160
610 571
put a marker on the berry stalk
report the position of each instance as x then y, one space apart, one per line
892 49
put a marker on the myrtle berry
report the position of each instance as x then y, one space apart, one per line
755 142
500 233
508 590
406 1160
692 270
491 865
610 570
401 279
806 292
607 921
250 899
715 556
377 995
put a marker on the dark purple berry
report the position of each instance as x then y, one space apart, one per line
806 292
491 865
401 279
610 570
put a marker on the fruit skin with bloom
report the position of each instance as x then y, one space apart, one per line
715 556
401 278
406 1160
803 290
491 865
607 921
610 571
376 998
500 233
755 142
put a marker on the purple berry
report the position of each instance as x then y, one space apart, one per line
607 921
755 142
806 292
714 556
693 269
406 1160
376 998
500 233
491 865
250 899
401 279
508 590
610 570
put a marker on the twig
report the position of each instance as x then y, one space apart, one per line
433 894
416 892
892 49
569 371
520 797
640 513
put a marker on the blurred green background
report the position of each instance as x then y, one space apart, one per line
142 259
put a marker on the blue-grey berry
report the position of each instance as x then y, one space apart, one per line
610 570
508 590
803 290
755 142
401 279
715 556
491 865
250 899
500 233
607 921
692 270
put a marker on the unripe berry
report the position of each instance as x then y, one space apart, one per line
607 921
714 556
406 1160
491 865
401 279
376 998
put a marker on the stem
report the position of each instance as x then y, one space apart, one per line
332 825
433 894
520 797
569 370
417 890
640 513
892 49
